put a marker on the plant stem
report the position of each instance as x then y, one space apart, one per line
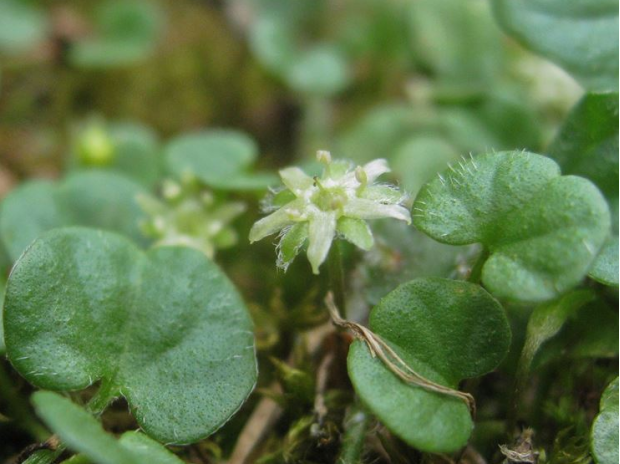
316 129
336 276
355 425
44 456
105 395
476 270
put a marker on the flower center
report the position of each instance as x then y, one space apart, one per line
329 199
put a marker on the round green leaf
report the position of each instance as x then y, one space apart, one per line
137 153
579 35
543 230
127 32
382 130
133 151
272 40
320 71
587 146
219 158
420 158
446 331
22 25
604 439
605 268
94 198
401 254
458 41
165 329
83 433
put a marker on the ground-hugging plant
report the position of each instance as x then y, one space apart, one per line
164 329
89 198
489 258
473 339
541 231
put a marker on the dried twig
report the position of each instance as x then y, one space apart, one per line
379 348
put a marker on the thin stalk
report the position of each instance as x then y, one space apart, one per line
476 270
316 125
43 456
105 395
336 275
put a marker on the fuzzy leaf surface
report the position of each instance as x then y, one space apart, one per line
604 438
165 329
543 230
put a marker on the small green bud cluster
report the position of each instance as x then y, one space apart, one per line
189 215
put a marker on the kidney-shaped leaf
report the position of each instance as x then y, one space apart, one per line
96 199
165 329
587 145
81 432
219 158
446 331
604 439
543 230
579 35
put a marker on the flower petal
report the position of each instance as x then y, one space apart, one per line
356 231
376 168
320 236
290 244
295 179
368 209
274 222
383 194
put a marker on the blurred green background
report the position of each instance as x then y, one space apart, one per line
420 83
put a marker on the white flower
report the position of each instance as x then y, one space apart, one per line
316 209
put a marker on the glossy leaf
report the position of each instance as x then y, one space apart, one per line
446 331
579 35
219 158
165 329
543 230
587 146
81 432
604 438
96 199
